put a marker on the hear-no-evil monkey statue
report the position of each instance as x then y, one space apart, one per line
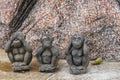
47 54
77 55
19 52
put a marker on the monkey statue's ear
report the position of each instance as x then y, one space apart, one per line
13 36
52 38
85 40
24 36
41 40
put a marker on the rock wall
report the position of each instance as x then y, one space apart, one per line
98 20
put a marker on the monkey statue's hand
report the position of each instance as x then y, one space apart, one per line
81 67
22 64
12 38
51 67
77 67
43 66
17 64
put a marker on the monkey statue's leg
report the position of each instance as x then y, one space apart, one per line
53 60
7 46
85 61
40 60
11 58
27 58
38 54
69 60
55 54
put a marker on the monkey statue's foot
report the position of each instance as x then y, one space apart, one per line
20 66
77 70
47 68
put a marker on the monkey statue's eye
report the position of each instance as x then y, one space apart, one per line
79 38
48 38
74 38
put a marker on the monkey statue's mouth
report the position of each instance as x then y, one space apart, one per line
77 44
47 46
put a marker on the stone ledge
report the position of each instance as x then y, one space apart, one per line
105 71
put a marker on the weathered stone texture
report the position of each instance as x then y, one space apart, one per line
99 20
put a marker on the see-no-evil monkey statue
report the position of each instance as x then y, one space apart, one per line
19 52
77 55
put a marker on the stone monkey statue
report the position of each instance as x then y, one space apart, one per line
19 52
47 54
77 54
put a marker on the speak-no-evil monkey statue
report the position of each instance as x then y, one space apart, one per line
19 52
77 55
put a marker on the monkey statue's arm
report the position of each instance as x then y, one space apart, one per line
85 48
11 57
67 50
28 48
55 52
8 49
8 46
27 58
38 54
68 55
28 54
85 55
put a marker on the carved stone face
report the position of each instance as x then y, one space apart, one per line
46 57
77 41
47 41
16 43
21 37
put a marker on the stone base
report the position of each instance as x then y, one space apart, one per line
77 70
18 67
47 68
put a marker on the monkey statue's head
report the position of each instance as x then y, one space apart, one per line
77 41
47 41
17 39
18 35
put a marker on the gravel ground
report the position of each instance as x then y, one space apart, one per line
105 71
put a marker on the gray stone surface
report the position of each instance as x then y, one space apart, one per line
19 52
77 54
